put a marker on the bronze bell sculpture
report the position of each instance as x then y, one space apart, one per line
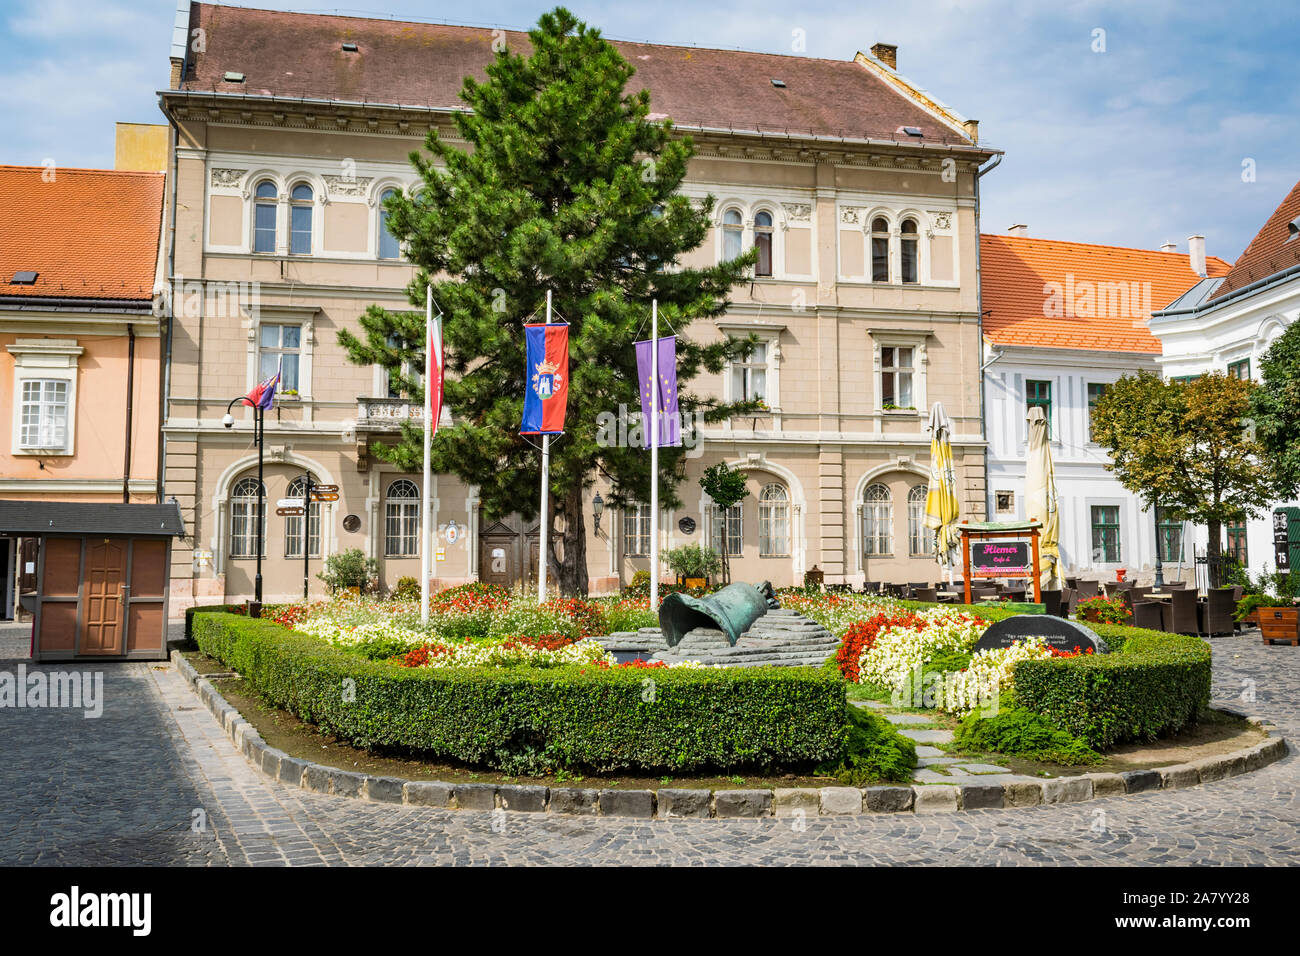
731 610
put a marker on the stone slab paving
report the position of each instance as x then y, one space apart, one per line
125 792
15 641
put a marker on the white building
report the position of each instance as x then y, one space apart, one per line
1062 320
1226 324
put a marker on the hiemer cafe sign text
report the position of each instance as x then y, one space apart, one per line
999 559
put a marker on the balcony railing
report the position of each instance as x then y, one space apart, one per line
387 414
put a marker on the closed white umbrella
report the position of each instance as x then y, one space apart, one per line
1041 500
941 504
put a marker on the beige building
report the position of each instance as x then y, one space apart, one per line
860 190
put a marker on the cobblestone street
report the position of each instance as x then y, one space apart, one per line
154 780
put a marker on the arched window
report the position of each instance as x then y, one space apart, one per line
402 519
763 242
732 233
244 500
920 538
909 251
880 250
293 524
300 212
388 245
877 521
264 203
773 522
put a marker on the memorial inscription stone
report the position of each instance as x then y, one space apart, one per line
1059 633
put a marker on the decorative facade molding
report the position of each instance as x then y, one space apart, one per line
351 187
798 211
227 178
942 219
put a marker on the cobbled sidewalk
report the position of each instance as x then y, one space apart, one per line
125 792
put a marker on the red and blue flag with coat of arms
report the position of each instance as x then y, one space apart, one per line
263 393
546 396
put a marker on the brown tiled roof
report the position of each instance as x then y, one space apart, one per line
1269 252
422 64
1015 269
87 233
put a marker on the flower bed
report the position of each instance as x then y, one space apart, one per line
528 719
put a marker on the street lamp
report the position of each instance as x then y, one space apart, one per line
1160 570
597 509
259 420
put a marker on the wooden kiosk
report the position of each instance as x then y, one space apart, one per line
102 573
1001 552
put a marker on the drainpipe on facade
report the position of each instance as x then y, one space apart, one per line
130 407
979 312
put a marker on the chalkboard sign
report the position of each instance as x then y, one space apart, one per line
999 559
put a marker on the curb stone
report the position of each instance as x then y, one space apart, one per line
680 803
936 798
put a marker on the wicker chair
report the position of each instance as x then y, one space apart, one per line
1014 594
1181 614
928 595
1148 614
1218 611
870 587
1052 602
1087 589
1069 597
1175 585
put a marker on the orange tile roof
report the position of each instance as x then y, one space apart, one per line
1028 285
87 233
1273 250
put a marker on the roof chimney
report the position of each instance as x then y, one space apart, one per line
1168 247
1019 229
886 53
1196 250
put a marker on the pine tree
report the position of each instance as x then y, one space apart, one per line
565 185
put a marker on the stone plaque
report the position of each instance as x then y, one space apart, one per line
1060 633
687 525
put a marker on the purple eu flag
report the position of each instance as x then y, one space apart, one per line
669 429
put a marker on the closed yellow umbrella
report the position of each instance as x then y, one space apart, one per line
1041 501
941 505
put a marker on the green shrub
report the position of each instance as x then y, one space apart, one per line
349 569
1020 732
408 589
874 751
206 608
693 561
530 720
1155 684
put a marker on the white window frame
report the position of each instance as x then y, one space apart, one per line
920 539
720 535
888 521
770 543
916 341
767 335
638 517
237 504
292 533
403 504
44 360
304 316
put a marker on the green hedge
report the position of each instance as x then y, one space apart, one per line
533 720
1154 683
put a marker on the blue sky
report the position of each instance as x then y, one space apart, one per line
1142 143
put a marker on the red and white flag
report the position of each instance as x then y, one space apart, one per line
434 365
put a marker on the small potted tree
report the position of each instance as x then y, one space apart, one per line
349 571
693 564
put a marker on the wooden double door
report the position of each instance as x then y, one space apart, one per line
103 597
507 553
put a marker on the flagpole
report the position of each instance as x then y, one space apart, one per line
544 525
654 454
425 567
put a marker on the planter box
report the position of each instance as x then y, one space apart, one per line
1279 624
695 582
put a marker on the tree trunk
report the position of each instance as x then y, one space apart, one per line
570 570
1213 554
